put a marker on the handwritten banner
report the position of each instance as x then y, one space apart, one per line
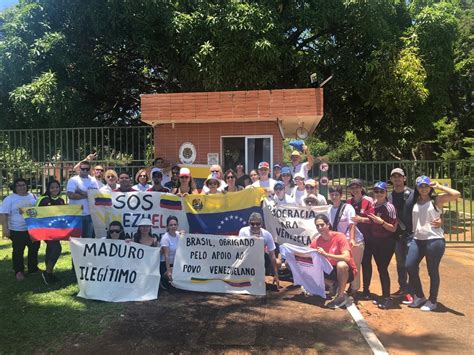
292 224
115 270
224 264
130 207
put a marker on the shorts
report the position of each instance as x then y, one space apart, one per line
333 275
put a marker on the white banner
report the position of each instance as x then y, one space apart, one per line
292 224
212 263
130 207
115 270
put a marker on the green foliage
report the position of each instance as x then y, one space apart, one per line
398 67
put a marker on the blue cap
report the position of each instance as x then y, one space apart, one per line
298 145
286 170
381 185
423 179
279 184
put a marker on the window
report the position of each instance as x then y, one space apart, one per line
249 150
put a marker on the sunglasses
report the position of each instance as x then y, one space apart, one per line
114 231
184 177
379 191
111 176
85 169
230 177
215 171
320 225
175 172
142 176
258 224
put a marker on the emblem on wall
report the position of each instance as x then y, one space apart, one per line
187 153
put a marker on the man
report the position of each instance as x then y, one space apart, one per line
99 175
174 178
298 166
265 179
335 247
281 197
254 229
402 197
160 164
216 170
156 177
311 187
77 188
125 183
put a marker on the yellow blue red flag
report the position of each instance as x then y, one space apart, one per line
53 222
222 214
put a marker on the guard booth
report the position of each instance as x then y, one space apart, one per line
230 126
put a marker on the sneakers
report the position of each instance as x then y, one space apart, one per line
337 302
332 290
20 276
385 303
408 299
399 293
365 295
428 306
417 302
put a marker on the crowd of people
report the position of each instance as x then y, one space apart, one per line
406 223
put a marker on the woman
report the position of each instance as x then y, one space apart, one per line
230 177
111 179
363 205
14 227
254 177
242 178
186 185
213 183
340 216
116 231
299 190
142 178
380 243
144 235
428 241
53 247
287 180
169 244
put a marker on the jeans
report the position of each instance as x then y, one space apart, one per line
382 250
20 240
87 227
53 251
433 250
401 251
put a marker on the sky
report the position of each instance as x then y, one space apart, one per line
7 3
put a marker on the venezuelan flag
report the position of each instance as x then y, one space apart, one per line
233 283
53 222
304 259
222 214
103 199
171 202
199 172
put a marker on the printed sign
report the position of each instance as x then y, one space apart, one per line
292 224
324 181
211 263
115 270
130 207
324 166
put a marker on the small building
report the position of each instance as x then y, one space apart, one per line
230 126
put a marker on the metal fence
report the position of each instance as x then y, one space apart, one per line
457 216
41 154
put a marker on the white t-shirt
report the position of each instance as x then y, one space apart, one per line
302 168
167 240
84 184
11 206
298 195
287 200
140 187
267 237
423 215
345 222
265 183
308 267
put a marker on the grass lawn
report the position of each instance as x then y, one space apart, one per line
40 318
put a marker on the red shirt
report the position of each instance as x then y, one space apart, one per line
336 245
388 213
362 208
